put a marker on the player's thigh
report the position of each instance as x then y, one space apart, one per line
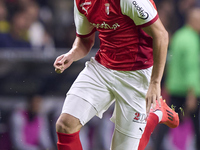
79 108
121 141
93 85
130 105
128 120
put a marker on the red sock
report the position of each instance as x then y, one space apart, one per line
69 141
152 122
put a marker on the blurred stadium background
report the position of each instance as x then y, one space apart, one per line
32 34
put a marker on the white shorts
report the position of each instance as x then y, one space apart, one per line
100 87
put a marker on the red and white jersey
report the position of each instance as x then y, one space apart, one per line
123 44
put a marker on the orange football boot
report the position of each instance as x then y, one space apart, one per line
170 117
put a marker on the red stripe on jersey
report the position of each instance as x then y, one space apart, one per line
154 5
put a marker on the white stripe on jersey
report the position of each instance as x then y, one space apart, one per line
140 11
83 26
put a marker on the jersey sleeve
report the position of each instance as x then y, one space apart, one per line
142 12
83 26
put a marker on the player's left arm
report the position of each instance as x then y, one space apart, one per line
160 46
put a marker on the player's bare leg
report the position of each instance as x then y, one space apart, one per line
67 128
68 124
76 113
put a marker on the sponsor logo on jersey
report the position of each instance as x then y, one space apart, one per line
140 118
142 14
106 26
85 6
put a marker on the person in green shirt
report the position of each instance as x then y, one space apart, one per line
183 70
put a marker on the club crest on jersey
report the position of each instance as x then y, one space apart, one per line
107 7
141 13
85 6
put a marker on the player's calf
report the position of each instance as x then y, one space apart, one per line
68 124
68 128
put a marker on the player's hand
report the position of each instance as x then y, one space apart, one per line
152 95
62 62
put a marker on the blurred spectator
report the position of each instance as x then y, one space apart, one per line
4 129
29 130
183 6
183 80
64 29
17 37
26 29
4 24
168 15
38 36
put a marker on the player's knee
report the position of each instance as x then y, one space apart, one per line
67 124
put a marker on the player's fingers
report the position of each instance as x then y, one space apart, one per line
158 99
58 68
154 102
60 57
58 61
148 104
58 64
66 61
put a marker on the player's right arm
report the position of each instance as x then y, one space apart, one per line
80 49
83 43
145 16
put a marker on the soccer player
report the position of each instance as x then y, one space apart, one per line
127 70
